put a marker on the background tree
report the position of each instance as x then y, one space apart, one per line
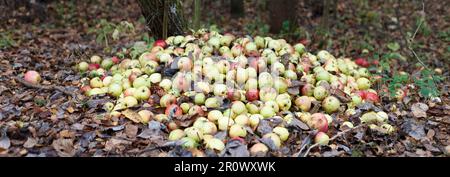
163 17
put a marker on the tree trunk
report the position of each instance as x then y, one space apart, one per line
156 12
281 11
237 8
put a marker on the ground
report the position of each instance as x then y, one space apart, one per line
49 122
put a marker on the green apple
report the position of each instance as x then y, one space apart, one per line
188 143
275 139
166 84
363 83
322 138
252 108
115 89
320 92
284 101
214 115
142 93
267 112
238 107
282 132
241 120
254 120
176 134
215 144
224 122
265 80
83 66
194 133
199 98
280 84
220 90
237 130
141 81
107 64
130 101
212 102
259 149
331 104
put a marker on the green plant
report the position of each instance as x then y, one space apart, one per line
105 31
427 83
6 40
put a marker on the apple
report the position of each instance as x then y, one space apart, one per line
173 110
161 118
321 138
161 43
252 95
96 59
369 117
319 122
290 74
185 107
320 92
331 104
259 150
241 75
199 98
149 67
145 116
115 89
242 120
308 90
267 94
141 81
167 100
130 101
254 120
215 144
382 116
184 64
347 124
196 109
280 84
83 66
237 50
252 108
212 102
220 90
32 77
166 84
282 132
323 75
214 42
251 84
224 122
96 82
188 143
95 91
274 44
214 115
107 64
275 139
303 102
85 88
108 106
129 92
267 112
363 83
238 107
142 93
372 97
176 134
208 128
265 80
362 62
237 130
284 101
251 49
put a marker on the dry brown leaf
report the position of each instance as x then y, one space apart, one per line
132 115
419 109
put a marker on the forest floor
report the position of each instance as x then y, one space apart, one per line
48 122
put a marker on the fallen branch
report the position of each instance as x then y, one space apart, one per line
333 138
44 87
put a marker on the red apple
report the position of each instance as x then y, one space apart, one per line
319 122
160 43
173 110
85 88
93 66
32 77
252 95
362 94
362 62
373 97
233 95
115 60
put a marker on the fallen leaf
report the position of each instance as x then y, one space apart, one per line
64 147
235 148
30 143
131 130
132 115
419 110
5 143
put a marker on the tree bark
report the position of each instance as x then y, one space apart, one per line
153 11
281 11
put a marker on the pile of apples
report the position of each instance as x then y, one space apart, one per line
226 83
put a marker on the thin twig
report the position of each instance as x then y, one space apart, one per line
49 87
333 138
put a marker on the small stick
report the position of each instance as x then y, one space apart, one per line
333 138
50 87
